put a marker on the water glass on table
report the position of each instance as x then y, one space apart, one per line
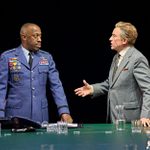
120 120
51 128
62 127
136 126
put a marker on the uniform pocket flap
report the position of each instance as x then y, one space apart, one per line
44 104
14 104
43 69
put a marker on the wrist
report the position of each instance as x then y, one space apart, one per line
92 90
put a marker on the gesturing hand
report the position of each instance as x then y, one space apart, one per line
85 90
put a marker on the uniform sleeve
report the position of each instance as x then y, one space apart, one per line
3 83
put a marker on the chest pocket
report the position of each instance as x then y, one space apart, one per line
43 73
16 77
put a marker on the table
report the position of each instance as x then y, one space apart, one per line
89 137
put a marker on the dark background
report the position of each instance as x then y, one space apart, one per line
77 34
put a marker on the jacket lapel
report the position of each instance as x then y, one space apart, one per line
21 57
36 60
122 65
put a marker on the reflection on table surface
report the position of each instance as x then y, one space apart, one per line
90 136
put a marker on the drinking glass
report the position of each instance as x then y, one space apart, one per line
120 120
62 127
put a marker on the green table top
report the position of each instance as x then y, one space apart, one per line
89 137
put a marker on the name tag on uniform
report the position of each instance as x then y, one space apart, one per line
43 61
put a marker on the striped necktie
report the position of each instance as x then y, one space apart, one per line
116 66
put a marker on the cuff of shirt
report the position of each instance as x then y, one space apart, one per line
63 110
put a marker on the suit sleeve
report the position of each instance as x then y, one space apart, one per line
100 88
141 72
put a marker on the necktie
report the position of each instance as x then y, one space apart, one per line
30 59
116 65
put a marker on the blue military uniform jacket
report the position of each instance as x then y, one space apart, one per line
23 91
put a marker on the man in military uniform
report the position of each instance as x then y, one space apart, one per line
24 74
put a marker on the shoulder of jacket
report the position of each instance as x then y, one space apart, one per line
137 52
44 52
10 51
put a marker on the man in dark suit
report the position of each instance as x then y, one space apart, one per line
24 74
129 84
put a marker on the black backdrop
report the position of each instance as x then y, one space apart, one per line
77 34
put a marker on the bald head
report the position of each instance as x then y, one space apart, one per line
27 28
30 35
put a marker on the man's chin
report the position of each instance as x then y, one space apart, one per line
37 48
111 48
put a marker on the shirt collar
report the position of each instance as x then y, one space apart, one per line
123 52
25 51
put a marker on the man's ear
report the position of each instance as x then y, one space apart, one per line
125 41
23 37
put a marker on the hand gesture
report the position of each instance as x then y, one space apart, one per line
85 90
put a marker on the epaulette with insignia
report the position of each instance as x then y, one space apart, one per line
9 51
42 51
